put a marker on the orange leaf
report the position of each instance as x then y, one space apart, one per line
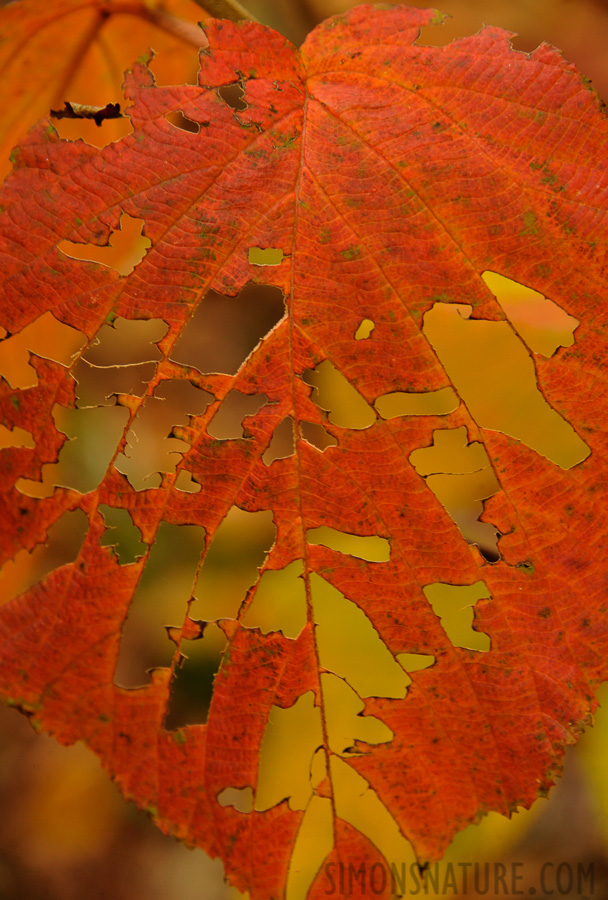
370 196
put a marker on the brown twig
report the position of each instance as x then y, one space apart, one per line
81 111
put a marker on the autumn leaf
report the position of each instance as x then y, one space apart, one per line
421 443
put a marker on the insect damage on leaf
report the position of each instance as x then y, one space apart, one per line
361 345
125 248
82 111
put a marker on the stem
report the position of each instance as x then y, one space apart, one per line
184 31
226 9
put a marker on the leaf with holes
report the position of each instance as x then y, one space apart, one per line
403 251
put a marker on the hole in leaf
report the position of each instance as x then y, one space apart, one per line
317 435
126 247
260 257
161 597
93 435
373 548
219 593
454 605
413 662
98 136
334 393
350 647
151 449
227 423
179 120
364 330
46 337
312 847
505 397
282 442
185 482
127 342
224 330
122 535
121 360
290 741
192 682
63 543
358 804
279 601
450 454
345 719
16 437
461 477
97 386
463 496
294 734
239 798
443 29
542 324
429 403
233 95
221 587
